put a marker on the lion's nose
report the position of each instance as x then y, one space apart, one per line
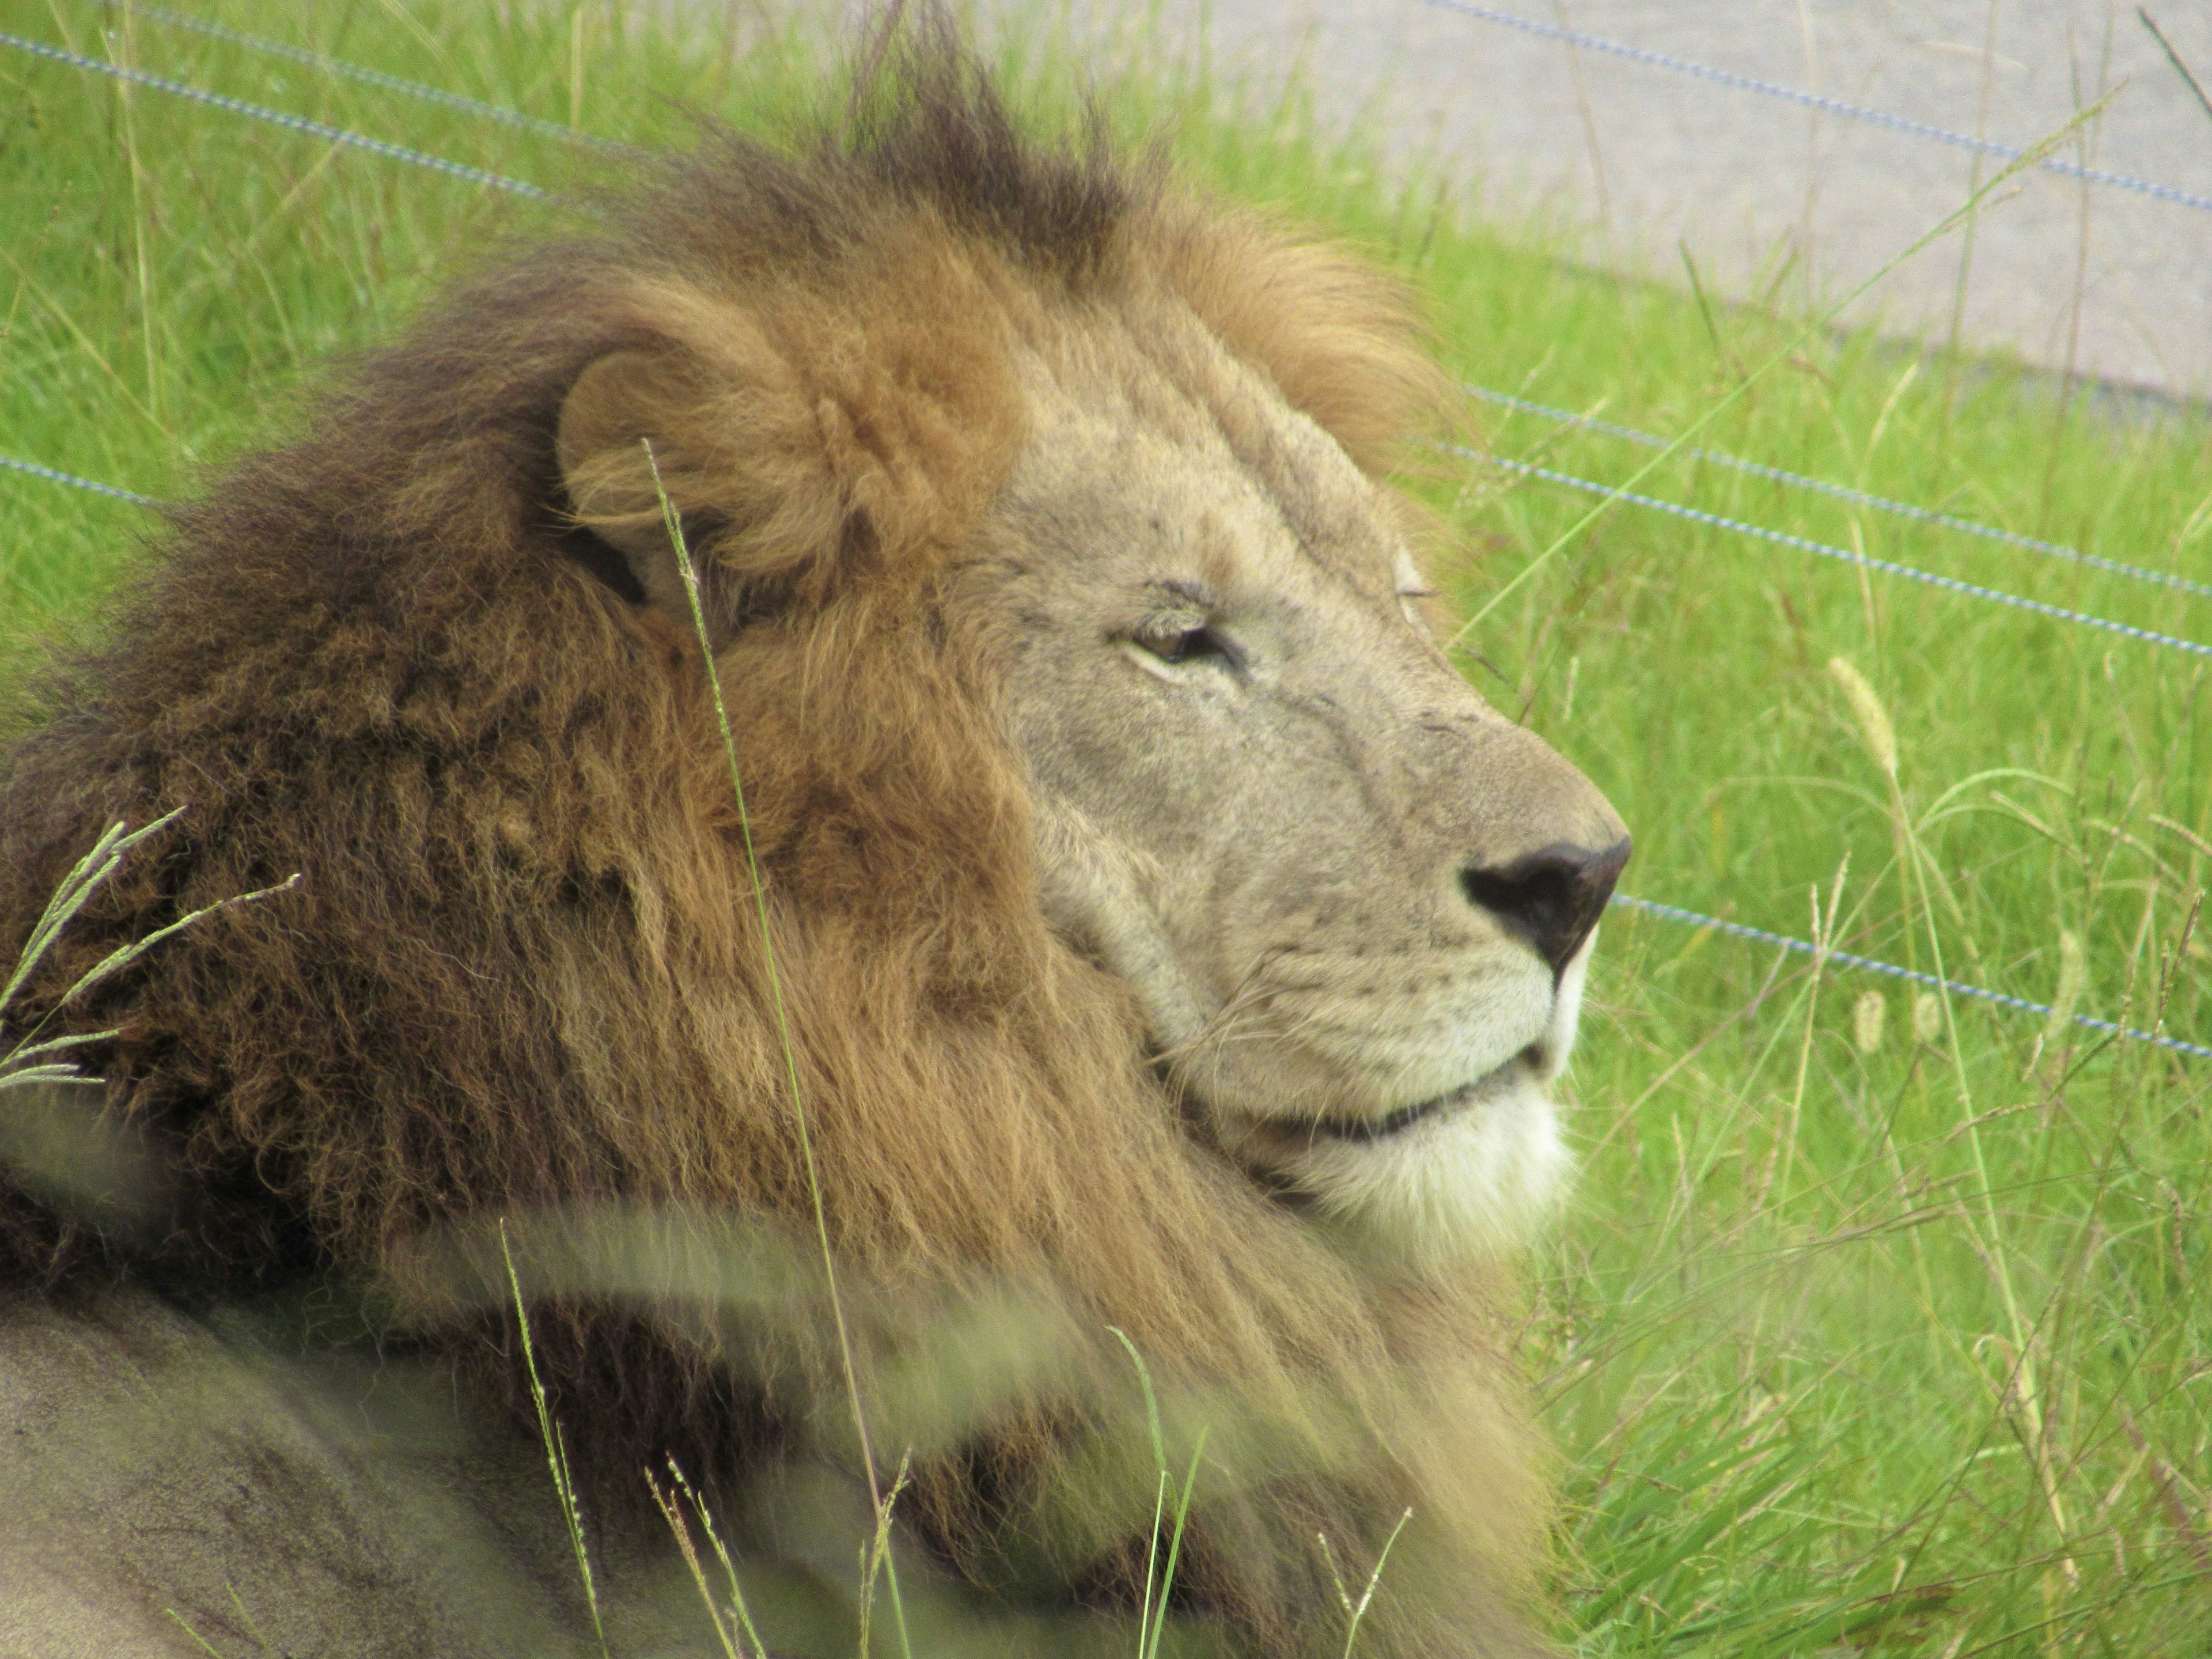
1551 897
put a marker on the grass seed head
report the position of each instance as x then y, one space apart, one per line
2073 976
1866 708
1868 1016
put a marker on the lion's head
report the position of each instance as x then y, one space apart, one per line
1351 900
1153 909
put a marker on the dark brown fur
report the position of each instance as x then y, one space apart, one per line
521 970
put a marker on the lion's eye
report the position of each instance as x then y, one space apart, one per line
1171 643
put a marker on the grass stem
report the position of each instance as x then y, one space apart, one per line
878 1501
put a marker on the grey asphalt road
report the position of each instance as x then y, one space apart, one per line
1633 161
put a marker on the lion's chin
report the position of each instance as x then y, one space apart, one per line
1476 1177
1477 1180
1470 1174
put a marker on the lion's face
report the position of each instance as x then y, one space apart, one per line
1356 905
1353 903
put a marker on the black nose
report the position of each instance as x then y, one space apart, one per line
1551 897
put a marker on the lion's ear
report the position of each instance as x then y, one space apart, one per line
620 402
735 442
804 443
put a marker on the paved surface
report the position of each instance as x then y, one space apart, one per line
1634 160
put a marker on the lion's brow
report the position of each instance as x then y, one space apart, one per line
1198 595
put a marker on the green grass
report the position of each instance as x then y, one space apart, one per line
1903 1350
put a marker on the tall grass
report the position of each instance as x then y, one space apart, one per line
1876 1324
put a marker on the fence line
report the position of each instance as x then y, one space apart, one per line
162 14
1805 947
1807 544
352 71
1845 492
1829 106
298 124
500 112
54 475
517 117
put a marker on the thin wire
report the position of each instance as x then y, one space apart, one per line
1806 544
351 71
1831 106
2018 1005
55 475
1845 492
278 118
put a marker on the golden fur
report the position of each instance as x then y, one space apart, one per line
521 970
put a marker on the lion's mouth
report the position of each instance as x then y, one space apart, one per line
1363 1131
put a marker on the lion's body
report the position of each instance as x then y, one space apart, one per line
521 971
167 1483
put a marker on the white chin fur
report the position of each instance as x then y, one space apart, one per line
1478 1181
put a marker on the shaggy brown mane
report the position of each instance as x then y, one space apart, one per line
521 972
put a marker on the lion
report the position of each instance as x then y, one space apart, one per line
1119 914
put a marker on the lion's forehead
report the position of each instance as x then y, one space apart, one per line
1183 448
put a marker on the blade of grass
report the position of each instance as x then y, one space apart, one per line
556 1451
671 1504
722 1554
875 1552
1367 1597
2173 57
108 850
674 524
1160 1487
1175 1549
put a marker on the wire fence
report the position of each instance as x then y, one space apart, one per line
299 123
1829 954
1568 419
486 177
343 70
55 475
1823 550
482 176
1966 141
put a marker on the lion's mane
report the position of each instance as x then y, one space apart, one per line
521 970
